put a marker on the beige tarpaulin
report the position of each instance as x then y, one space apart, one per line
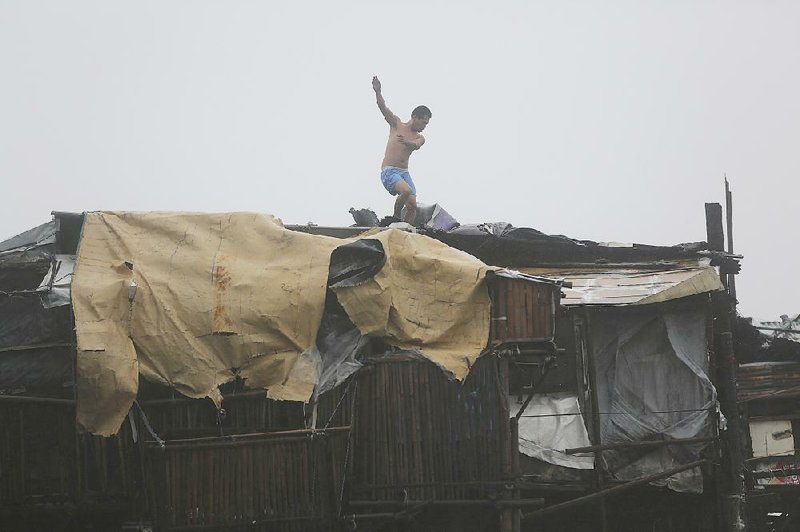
194 300
428 296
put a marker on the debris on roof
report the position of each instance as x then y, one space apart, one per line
785 327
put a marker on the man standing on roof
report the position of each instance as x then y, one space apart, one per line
404 138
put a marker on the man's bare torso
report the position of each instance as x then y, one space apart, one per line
397 153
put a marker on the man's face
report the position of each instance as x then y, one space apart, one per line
418 123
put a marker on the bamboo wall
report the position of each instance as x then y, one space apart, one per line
419 436
268 482
523 311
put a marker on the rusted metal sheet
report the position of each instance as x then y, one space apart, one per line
523 310
768 380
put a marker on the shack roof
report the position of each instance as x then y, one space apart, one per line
501 244
601 273
631 286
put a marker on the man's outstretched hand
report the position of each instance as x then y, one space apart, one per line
376 84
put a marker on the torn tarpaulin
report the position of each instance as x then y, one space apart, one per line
428 296
339 341
236 295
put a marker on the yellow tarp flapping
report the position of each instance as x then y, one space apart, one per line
194 300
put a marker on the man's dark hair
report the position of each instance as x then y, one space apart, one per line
421 111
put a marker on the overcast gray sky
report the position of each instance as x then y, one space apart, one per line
609 121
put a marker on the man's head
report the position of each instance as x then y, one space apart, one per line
420 117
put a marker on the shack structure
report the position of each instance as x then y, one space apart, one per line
768 386
197 372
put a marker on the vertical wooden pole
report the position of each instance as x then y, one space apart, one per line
511 447
517 470
724 306
599 465
714 232
729 226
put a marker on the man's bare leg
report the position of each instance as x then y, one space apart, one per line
398 206
411 210
405 198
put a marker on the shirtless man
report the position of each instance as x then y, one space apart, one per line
404 138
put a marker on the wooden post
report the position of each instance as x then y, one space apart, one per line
599 464
507 514
734 510
723 305
714 232
516 524
729 227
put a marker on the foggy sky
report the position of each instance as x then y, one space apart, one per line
609 121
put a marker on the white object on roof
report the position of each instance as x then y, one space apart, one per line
784 327
55 287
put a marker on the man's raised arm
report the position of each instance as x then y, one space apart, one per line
387 114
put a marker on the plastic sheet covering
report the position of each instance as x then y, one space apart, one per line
48 369
433 217
24 258
339 343
652 384
193 301
38 236
355 263
25 322
55 287
559 426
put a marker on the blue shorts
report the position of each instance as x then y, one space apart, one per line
391 175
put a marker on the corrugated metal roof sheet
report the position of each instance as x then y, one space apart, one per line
768 380
632 286
784 327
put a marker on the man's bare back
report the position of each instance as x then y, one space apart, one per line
404 139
